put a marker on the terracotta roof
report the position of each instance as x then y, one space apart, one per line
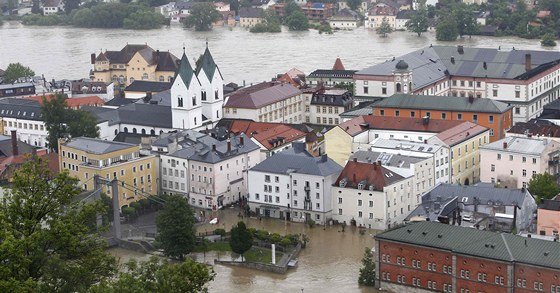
368 174
261 94
363 123
286 78
72 102
294 72
536 128
277 136
338 65
460 133
52 158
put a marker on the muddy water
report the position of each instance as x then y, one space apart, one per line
330 263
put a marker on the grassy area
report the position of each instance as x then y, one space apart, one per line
257 254
214 246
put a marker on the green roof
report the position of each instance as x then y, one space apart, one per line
442 103
185 70
484 244
207 63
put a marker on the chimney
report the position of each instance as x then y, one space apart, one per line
527 62
355 160
241 140
484 65
426 120
213 147
229 145
374 165
460 49
92 58
15 150
505 145
452 60
471 99
379 163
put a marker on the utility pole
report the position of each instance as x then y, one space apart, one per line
98 180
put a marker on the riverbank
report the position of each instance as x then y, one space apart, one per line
241 56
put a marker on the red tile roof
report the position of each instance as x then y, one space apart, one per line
266 133
460 133
72 102
368 174
363 123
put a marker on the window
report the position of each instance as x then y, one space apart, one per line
397 113
443 115
359 202
340 200
382 112
524 172
475 118
491 119
412 114
494 93
459 116
266 178
499 156
492 168
366 90
534 160
511 157
340 211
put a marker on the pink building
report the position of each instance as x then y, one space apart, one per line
512 161
548 217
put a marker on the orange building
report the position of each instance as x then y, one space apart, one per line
495 115
548 217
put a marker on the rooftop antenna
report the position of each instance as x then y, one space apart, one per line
183 48
206 43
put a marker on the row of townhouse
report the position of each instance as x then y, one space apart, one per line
282 102
209 172
524 79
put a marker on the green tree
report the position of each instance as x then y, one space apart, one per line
143 19
446 30
354 4
49 241
548 40
543 186
466 22
176 230
269 24
15 71
418 22
71 5
384 28
367 272
156 275
62 122
297 21
201 16
241 239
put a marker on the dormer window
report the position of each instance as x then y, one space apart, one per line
371 187
360 186
342 183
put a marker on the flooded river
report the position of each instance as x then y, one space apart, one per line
64 52
330 263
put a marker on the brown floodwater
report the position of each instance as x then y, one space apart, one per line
330 263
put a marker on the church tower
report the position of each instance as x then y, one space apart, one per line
186 100
212 87
402 78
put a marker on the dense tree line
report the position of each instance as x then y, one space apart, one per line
269 24
103 15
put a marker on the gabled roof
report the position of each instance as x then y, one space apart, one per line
71 102
261 94
370 175
298 160
442 103
536 128
460 133
484 244
276 136
362 123
20 109
134 114
97 146
148 86
185 71
205 153
517 144
207 64
332 97
6 149
122 56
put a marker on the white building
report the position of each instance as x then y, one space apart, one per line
266 102
370 195
325 106
439 155
293 185
210 173
511 162
23 116
532 78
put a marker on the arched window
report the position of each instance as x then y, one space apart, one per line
399 88
179 101
216 96
134 130
161 78
152 132
115 77
143 131
194 100
144 76
126 130
131 79
203 94
170 78
116 132
161 132
121 79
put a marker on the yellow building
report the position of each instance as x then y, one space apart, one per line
134 62
463 141
86 157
